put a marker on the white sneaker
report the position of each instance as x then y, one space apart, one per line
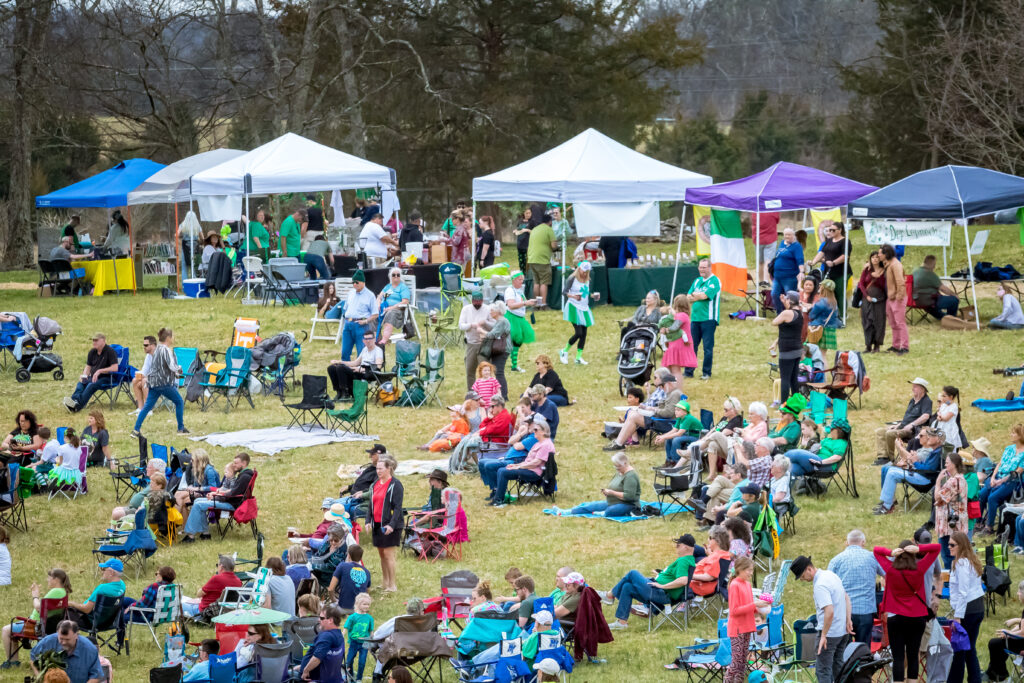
616 625
580 361
135 412
606 597
564 357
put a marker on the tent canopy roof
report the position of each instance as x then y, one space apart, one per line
292 163
590 167
108 189
947 192
783 186
170 184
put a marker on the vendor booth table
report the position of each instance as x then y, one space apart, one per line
100 274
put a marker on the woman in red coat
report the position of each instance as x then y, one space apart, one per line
905 601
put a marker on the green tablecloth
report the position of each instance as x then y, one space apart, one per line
598 283
629 285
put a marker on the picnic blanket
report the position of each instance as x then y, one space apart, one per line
665 510
998 405
273 440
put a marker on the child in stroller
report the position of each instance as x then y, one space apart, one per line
636 356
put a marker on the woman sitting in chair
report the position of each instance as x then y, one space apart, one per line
328 556
392 302
198 479
327 306
58 586
831 451
164 576
529 470
24 438
245 650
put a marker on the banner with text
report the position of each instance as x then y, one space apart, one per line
909 233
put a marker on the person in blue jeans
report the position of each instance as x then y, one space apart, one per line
909 467
788 261
516 453
163 381
531 469
317 256
101 360
360 315
622 495
1002 483
224 498
359 627
685 430
663 589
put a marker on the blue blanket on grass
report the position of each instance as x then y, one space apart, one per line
665 510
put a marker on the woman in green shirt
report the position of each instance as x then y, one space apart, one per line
259 238
58 586
787 432
622 495
831 452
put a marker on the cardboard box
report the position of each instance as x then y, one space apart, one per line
439 253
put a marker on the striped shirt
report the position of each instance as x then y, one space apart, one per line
706 310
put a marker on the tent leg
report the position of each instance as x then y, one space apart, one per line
846 273
245 207
970 271
565 245
191 243
757 264
679 251
472 249
131 252
177 245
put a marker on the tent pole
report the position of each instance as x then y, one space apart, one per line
803 224
757 264
131 250
945 269
245 208
970 271
679 251
191 240
846 271
472 232
561 274
177 246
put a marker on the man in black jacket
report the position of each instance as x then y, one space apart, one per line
224 498
354 496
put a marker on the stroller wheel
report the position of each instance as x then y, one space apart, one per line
58 375
624 385
22 375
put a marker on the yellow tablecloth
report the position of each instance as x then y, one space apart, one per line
101 275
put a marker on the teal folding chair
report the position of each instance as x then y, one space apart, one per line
231 382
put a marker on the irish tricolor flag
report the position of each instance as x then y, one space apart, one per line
728 256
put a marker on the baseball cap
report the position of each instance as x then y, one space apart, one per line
686 539
114 564
377 448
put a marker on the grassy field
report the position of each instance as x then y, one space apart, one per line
293 483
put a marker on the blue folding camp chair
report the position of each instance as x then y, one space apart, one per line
232 381
112 385
10 332
223 668
131 547
549 646
706 660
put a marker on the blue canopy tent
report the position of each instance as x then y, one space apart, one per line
108 190
944 193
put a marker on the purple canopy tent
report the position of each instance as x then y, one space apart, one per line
780 187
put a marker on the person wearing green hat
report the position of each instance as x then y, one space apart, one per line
685 431
360 316
577 311
831 451
516 302
786 434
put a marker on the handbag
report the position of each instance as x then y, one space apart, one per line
958 638
931 612
814 334
489 345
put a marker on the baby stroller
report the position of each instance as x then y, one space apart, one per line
35 353
636 356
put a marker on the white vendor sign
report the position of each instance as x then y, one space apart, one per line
909 233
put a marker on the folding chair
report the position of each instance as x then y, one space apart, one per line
272 661
301 632
546 487
233 380
47 277
256 562
915 312
805 644
456 593
133 547
416 645
676 483
66 277
165 674
844 382
71 491
106 623
51 613
245 513
447 537
277 286
786 514
433 376
711 606
674 613
252 275
442 328
129 476
12 506
353 419
923 491
10 332
112 385
776 649
326 322
245 332
166 610
249 595
841 473
757 293
313 404
704 661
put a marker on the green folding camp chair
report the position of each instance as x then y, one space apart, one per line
354 418
420 389
231 382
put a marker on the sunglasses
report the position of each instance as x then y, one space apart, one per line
253 633
323 618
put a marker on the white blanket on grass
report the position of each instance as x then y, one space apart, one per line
276 439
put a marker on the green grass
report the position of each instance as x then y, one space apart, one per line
293 483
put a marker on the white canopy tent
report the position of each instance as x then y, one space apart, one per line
590 168
170 185
292 163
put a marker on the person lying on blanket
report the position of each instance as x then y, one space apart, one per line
622 495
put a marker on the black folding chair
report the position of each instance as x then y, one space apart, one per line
106 626
673 485
314 404
277 286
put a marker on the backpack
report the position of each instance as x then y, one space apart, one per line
388 395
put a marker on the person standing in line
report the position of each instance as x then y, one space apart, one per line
577 312
473 323
832 604
741 624
857 569
516 302
896 300
789 260
705 301
163 381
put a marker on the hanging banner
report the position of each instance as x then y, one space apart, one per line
702 229
908 233
629 219
819 219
